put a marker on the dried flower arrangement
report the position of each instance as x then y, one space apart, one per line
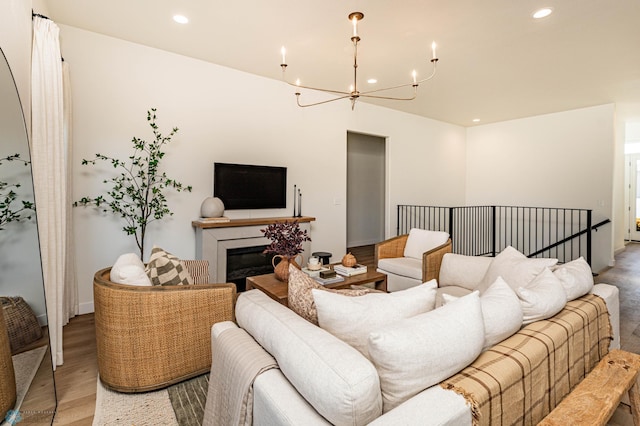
286 238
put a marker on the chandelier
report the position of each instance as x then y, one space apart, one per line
353 94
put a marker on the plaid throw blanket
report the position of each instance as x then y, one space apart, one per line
520 380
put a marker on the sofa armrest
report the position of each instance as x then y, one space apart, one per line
393 247
432 260
431 407
611 297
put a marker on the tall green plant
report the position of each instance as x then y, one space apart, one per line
137 193
9 212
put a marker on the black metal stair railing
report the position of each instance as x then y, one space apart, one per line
561 233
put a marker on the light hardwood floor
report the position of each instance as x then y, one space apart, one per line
76 379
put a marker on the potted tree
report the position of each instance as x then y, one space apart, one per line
137 193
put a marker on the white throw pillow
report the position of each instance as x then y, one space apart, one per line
463 271
129 269
542 298
501 311
422 240
576 277
351 319
416 353
515 268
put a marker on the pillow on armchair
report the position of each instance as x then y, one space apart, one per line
129 269
166 269
421 240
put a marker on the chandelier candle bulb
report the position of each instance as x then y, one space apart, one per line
433 50
283 51
355 26
414 77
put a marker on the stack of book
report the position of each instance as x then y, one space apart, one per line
221 219
331 280
350 271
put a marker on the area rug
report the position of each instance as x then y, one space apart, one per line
26 366
178 405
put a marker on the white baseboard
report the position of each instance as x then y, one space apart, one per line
85 308
361 243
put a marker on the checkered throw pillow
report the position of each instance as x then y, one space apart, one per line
166 269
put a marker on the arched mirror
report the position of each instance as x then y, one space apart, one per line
21 284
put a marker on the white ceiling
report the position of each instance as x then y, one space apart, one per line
496 62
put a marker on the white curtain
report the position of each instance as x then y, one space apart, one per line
49 156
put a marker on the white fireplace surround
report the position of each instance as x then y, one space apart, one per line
212 244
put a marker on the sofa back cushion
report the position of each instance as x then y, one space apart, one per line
576 277
351 319
416 353
463 271
340 384
515 268
421 240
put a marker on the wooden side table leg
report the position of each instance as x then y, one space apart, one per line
634 399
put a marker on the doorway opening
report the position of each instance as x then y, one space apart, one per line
366 189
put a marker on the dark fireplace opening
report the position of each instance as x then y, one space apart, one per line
246 262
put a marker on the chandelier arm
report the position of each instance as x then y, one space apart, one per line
319 103
402 85
298 86
389 98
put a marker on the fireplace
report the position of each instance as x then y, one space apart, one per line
246 262
216 241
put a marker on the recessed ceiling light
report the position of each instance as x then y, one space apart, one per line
181 19
372 81
542 13
476 120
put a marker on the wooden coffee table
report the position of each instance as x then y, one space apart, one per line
279 290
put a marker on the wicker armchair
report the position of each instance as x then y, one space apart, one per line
7 377
151 337
397 278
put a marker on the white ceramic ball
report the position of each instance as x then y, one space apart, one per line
212 207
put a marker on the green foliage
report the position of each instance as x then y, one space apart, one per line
137 192
9 212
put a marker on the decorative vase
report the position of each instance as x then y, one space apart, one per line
212 207
281 270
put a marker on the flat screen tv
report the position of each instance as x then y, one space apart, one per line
243 186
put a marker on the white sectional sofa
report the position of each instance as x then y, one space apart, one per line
321 379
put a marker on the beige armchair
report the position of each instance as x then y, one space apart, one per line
412 259
151 337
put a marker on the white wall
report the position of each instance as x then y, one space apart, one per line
15 41
230 116
564 159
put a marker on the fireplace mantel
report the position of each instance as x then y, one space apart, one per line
260 221
214 238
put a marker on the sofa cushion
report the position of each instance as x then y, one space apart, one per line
166 269
418 352
351 319
515 268
501 312
576 278
422 240
129 269
403 266
340 384
300 298
542 298
463 271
